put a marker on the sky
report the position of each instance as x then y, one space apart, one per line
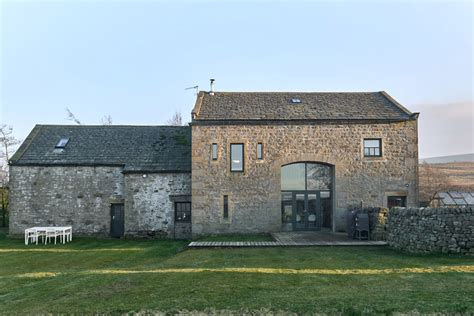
132 60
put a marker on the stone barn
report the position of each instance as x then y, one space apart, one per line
106 180
248 163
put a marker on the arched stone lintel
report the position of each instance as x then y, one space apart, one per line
305 157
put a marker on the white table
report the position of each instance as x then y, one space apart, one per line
64 233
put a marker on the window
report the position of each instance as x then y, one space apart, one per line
226 206
62 142
237 157
306 176
214 151
400 201
372 147
182 212
295 100
259 151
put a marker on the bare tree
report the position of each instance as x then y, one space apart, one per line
7 144
7 141
106 120
176 120
72 117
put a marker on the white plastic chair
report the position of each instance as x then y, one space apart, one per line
51 233
67 234
31 234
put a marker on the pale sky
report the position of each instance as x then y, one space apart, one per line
133 59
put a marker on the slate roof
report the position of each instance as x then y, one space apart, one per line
275 106
136 148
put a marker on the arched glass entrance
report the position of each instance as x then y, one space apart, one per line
306 196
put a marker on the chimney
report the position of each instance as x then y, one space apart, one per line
212 87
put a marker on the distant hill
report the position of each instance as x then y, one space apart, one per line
450 176
448 159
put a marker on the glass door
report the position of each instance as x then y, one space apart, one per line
299 211
306 211
326 207
314 222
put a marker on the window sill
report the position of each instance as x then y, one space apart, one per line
382 158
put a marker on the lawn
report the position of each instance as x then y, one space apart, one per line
113 276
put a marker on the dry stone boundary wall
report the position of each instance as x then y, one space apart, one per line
447 230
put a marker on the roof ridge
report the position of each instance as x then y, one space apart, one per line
283 92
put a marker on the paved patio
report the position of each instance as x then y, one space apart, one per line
295 239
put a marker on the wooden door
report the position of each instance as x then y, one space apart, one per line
117 226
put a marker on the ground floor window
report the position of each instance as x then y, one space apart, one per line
182 211
226 206
393 201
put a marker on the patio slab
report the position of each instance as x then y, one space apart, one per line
293 239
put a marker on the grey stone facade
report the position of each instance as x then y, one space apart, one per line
448 230
81 197
254 195
58 196
149 204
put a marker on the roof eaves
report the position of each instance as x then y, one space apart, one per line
297 121
151 170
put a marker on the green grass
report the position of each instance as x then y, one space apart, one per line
89 275
260 237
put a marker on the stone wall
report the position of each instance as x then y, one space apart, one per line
57 196
82 197
149 204
254 195
448 230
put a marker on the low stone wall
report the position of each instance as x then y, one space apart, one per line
448 230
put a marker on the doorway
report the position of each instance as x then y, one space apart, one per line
306 196
307 210
117 226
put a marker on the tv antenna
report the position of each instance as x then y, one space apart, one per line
196 89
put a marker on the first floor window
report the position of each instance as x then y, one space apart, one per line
372 147
214 151
237 157
259 151
182 211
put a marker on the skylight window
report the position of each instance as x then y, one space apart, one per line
295 100
62 142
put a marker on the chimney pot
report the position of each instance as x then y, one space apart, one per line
212 86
